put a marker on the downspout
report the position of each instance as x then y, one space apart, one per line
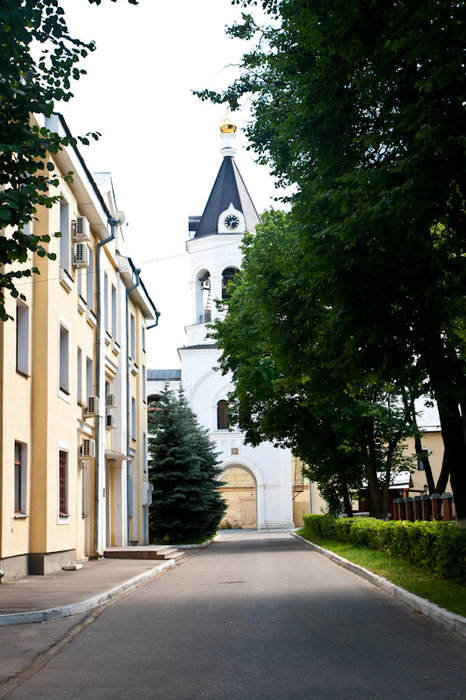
2 376
154 325
98 426
137 272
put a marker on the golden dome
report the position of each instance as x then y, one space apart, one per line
227 126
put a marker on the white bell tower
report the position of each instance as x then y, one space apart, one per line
215 237
215 257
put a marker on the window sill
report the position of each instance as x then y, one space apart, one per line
115 347
64 395
64 518
108 338
26 374
21 516
91 318
66 280
82 306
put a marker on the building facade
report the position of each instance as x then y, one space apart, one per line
73 416
258 479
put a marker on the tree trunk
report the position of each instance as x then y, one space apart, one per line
367 449
341 476
422 457
455 453
421 454
444 474
442 481
388 474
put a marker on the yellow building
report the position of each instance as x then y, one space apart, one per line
73 414
412 482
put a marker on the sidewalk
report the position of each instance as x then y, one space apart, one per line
42 598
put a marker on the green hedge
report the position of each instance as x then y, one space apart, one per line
437 546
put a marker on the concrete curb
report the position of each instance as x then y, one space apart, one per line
24 618
453 622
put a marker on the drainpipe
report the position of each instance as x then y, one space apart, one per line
154 325
137 272
98 426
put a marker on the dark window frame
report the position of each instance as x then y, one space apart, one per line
222 415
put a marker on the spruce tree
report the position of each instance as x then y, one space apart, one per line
186 504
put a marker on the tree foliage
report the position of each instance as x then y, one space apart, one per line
186 503
291 385
363 113
38 60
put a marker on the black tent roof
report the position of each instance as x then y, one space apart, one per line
229 188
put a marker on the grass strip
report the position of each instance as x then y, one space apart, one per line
446 594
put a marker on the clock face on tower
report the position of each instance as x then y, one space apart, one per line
231 222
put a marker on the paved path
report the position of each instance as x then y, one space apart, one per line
256 616
68 587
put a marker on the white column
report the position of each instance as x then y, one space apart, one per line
216 282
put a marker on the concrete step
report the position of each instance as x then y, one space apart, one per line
151 551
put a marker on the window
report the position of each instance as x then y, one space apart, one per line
90 280
132 337
20 478
144 390
65 242
222 415
114 312
89 379
84 490
106 319
22 337
79 280
79 374
144 453
64 369
133 419
63 483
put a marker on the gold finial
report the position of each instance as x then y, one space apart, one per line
227 126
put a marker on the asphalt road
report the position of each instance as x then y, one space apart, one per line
256 616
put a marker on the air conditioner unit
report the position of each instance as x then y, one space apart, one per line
88 448
81 229
92 408
110 421
81 255
110 401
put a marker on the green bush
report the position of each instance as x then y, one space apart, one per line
437 546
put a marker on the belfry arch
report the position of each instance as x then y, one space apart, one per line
203 297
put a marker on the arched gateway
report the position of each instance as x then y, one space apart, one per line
239 490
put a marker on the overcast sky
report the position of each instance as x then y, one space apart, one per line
161 144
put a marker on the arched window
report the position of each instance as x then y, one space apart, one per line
206 297
227 275
222 415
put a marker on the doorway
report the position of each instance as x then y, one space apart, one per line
239 491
